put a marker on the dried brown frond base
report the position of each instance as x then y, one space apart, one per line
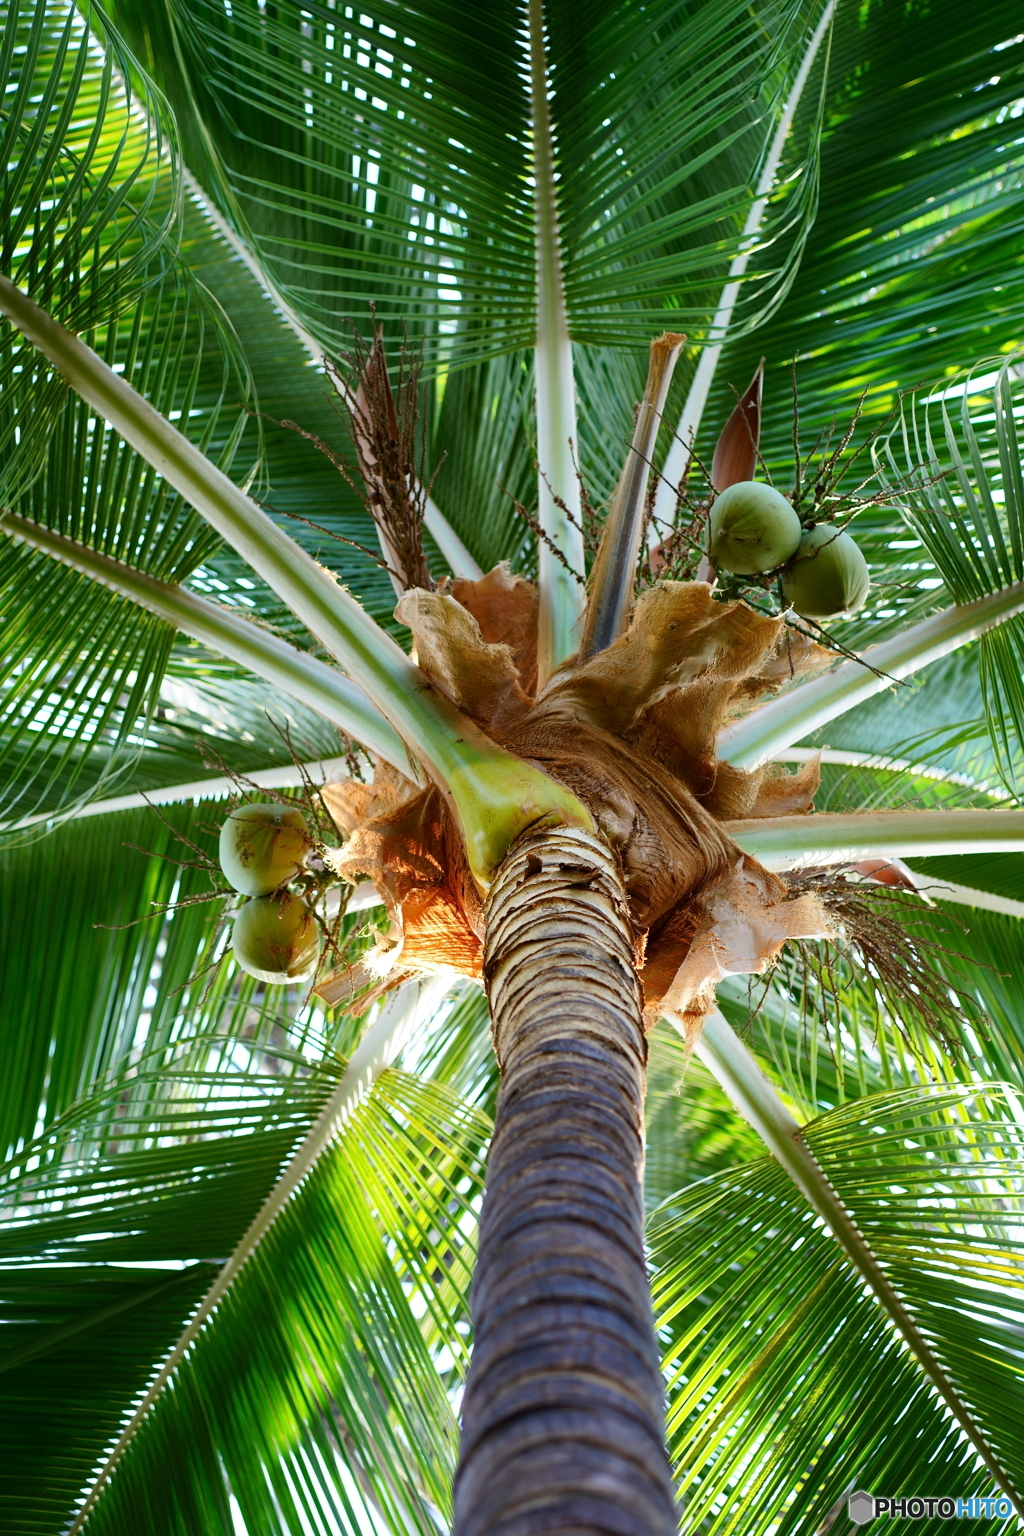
632 733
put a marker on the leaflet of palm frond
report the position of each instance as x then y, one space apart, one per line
953 463
91 219
424 198
885 297
322 1324
99 695
73 1033
89 201
774 1343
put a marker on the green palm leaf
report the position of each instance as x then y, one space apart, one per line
145 1131
145 1128
90 197
813 1350
105 201
913 265
820 1048
348 1343
955 463
690 1127
73 1007
393 166
76 705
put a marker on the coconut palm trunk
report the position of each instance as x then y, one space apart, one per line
563 1416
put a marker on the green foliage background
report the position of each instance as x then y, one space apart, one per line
149 1105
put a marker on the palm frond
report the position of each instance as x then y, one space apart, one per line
815 702
912 266
955 463
390 158
690 1128
91 198
854 1046
935 718
144 1127
80 678
355 1367
78 1003
774 1346
892 955
157 1154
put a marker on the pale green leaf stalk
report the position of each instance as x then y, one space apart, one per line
728 1059
219 788
678 457
460 561
562 597
755 739
394 1025
493 795
803 842
302 677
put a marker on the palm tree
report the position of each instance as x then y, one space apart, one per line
244 1222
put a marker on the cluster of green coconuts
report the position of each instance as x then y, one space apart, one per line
275 936
754 529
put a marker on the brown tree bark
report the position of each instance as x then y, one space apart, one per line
563 1415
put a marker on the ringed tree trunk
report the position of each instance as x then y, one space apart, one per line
563 1414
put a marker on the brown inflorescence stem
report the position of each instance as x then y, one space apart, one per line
563 1416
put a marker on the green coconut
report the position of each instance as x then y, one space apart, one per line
262 847
275 939
753 529
828 577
